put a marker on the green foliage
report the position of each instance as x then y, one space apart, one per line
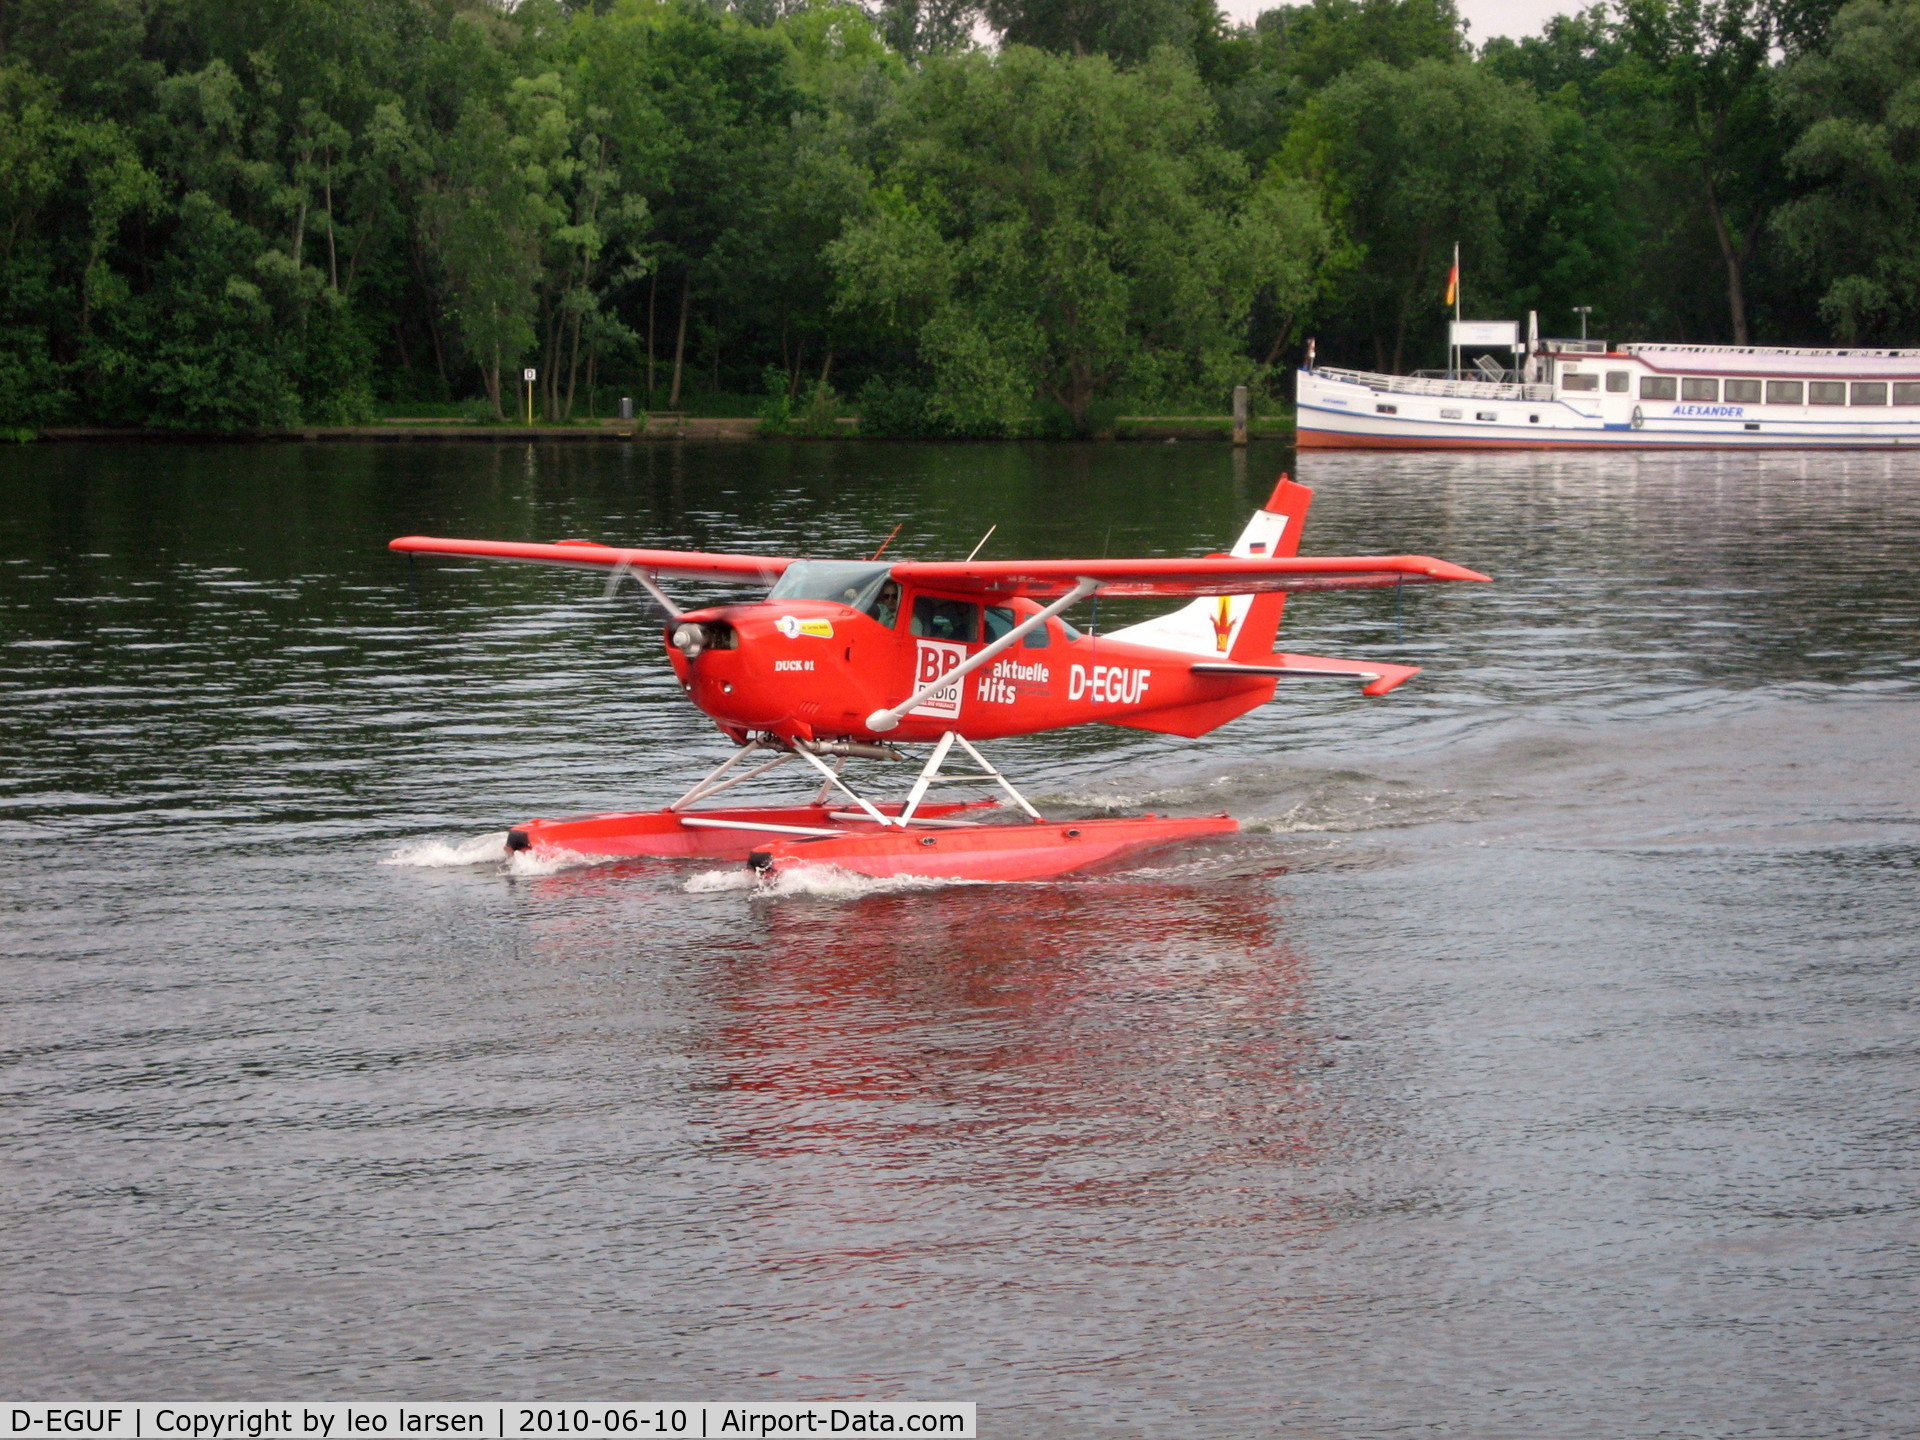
816 412
821 417
777 409
1127 31
242 216
915 29
1060 230
1265 73
1416 160
1857 222
898 409
1696 85
1319 42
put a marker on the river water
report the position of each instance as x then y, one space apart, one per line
1542 1064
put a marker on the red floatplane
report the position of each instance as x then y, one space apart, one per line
848 660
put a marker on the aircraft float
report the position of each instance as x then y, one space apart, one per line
852 660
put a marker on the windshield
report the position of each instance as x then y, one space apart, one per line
845 582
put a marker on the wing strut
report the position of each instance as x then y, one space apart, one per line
646 583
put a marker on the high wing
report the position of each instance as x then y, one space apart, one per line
584 554
1036 579
1209 575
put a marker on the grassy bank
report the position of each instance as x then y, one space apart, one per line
431 426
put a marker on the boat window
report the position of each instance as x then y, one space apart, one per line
1827 392
886 604
1658 387
1693 388
1869 392
846 582
1783 392
1486 414
1579 381
1000 620
1906 392
1617 382
938 619
1743 392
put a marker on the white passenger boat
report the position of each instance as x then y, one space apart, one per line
1577 394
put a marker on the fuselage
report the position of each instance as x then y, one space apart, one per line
817 669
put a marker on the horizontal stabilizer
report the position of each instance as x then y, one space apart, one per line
1379 677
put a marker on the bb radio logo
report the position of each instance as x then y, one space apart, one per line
931 660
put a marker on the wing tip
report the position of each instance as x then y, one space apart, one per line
1445 569
1399 675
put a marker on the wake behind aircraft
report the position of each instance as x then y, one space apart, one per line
847 660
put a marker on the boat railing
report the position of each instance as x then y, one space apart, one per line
1770 351
1424 385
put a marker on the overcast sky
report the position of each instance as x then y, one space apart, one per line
1489 17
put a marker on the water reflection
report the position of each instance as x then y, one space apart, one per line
1026 1029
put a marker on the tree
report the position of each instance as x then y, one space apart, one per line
1700 79
770 264
919 28
1126 30
1325 39
485 224
1416 160
1859 156
1578 50
55 279
1265 73
699 108
1057 229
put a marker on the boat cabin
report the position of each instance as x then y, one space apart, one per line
1726 382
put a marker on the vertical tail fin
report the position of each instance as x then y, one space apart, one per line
1240 628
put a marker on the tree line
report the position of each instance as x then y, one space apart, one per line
1016 216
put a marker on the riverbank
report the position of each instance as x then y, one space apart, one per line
651 427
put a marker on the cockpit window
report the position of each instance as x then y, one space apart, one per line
845 582
940 619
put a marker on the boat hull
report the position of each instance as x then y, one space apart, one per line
991 852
